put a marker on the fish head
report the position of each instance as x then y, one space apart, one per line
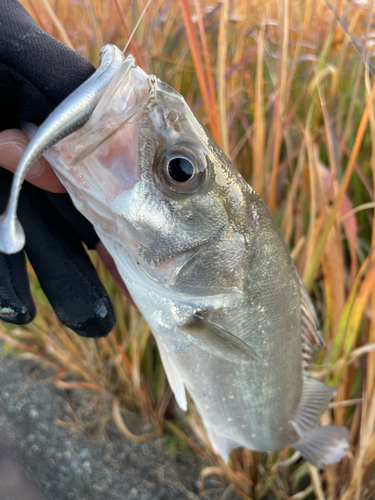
149 177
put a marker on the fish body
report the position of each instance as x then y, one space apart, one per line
206 265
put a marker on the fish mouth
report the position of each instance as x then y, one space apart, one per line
105 150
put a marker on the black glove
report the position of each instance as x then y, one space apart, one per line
36 73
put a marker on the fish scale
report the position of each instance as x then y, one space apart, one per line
203 260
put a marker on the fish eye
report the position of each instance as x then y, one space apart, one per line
181 169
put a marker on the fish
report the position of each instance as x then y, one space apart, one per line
206 264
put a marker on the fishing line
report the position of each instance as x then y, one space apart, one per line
136 26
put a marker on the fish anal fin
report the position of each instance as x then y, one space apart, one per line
324 445
220 444
174 379
314 400
218 341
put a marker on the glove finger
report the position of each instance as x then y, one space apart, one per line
64 205
64 269
16 303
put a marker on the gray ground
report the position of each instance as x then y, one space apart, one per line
42 461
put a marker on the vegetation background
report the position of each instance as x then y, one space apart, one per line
286 88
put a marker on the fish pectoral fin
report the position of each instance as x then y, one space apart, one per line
174 379
314 400
324 445
219 341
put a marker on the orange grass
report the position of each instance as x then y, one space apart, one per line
293 98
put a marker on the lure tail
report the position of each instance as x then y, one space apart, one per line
68 117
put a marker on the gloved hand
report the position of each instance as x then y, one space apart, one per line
36 73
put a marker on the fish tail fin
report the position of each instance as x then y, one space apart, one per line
324 445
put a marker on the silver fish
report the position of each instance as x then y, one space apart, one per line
207 266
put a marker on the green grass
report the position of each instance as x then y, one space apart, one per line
286 93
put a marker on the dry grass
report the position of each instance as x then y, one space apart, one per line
288 95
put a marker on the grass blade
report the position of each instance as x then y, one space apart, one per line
58 25
221 67
315 260
202 34
280 99
259 121
195 51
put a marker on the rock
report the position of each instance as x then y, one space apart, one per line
49 462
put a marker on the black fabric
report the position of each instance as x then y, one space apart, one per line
16 303
64 205
36 73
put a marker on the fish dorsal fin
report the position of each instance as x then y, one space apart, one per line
311 335
314 400
218 341
174 379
